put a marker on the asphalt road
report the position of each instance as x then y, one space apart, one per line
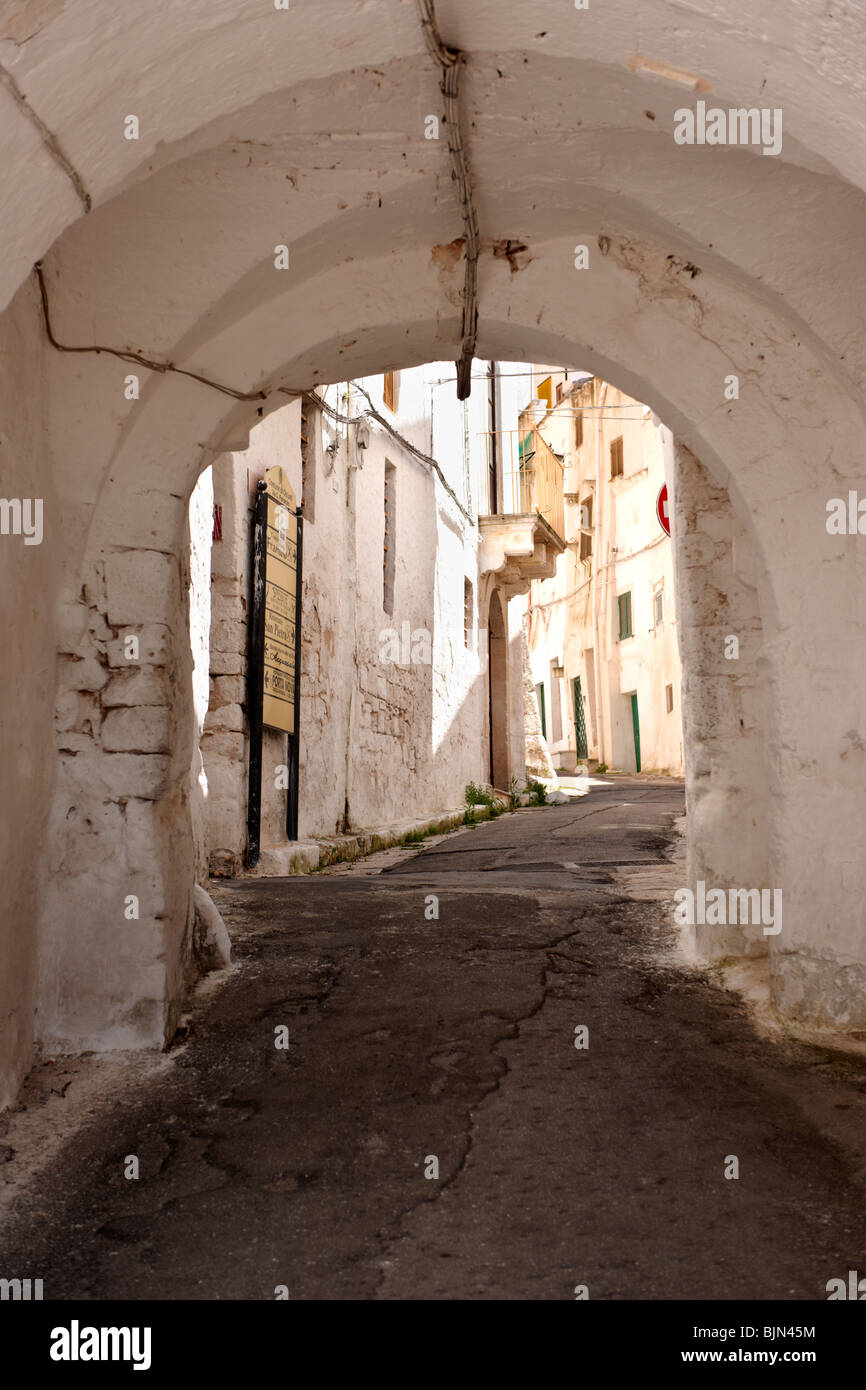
414 1037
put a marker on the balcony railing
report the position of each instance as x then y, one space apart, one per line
521 474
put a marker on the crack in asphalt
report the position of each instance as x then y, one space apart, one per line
486 1092
454 1036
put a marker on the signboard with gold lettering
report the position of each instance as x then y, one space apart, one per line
281 577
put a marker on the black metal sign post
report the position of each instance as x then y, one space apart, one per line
255 672
293 793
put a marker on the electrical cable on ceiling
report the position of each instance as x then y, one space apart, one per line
127 355
153 364
450 60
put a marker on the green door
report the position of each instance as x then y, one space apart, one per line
636 727
579 721
539 695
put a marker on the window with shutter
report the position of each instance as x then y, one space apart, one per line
616 458
625 618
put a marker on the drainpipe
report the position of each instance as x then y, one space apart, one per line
597 578
351 504
493 456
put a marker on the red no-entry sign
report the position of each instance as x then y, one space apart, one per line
662 510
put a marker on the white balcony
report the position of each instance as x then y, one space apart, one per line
522 521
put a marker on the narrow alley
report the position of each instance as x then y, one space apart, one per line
432 718
570 1163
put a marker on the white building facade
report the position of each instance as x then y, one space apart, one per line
397 693
602 633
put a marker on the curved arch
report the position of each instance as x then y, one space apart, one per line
812 60
497 660
672 347
696 275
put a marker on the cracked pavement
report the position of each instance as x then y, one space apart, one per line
412 1037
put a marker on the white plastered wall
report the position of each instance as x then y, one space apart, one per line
392 709
726 699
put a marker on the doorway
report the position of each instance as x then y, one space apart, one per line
497 670
579 721
636 727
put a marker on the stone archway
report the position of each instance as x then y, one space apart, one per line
130 579
681 293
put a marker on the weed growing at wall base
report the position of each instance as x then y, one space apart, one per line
477 796
537 792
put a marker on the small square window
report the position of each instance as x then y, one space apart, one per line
585 518
391 391
389 537
616 458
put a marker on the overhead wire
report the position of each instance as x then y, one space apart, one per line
127 354
372 413
154 364
449 61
